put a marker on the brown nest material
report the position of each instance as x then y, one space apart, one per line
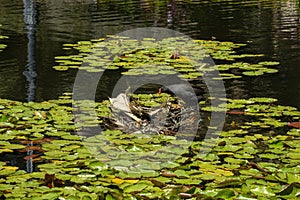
131 116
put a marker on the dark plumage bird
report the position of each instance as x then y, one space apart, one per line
184 91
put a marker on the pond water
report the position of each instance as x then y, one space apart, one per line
38 28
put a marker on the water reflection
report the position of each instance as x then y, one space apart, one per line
286 47
30 71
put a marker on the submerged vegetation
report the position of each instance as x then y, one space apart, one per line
255 157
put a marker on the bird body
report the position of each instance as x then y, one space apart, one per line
184 91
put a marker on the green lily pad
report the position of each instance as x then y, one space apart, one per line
225 194
135 188
263 100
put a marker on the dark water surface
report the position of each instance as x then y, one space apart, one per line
36 35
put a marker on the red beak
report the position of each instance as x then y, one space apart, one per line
159 91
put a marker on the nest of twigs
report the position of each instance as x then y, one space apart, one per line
131 114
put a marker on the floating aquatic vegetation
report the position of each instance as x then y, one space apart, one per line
256 156
149 56
248 161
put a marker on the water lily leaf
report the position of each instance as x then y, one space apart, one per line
254 73
6 125
214 109
125 163
251 172
7 187
3 150
208 176
71 137
245 197
56 154
61 68
268 70
211 157
187 181
234 161
97 165
288 177
181 174
262 190
225 194
232 105
51 195
294 132
8 171
135 188
7 137
277 143
14 146
269 63
269 156
263 100
148 173
228 148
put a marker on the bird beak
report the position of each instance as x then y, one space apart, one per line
159 91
